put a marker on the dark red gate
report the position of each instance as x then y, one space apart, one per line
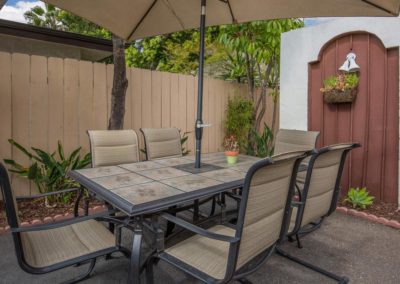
372 120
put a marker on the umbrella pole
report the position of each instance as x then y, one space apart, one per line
199 119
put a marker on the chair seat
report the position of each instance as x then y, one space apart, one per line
205 254
48 247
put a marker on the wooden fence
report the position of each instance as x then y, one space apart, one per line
44 100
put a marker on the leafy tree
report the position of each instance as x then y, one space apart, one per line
253 51
54 18
177 52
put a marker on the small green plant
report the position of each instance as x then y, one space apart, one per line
263 143
340 82
239 118
359 197
48 171
184 139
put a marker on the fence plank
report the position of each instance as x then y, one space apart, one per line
166 100
128 102
110 76
206 118
5 103
55 115
85 107
100 96
156 93
146 99
182 103
20 115
174 100
71 91
190 112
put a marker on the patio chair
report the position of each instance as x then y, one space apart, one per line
319 189
113 147
295 140
222 253
48 247
162 143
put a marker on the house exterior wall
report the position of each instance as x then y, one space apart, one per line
300 47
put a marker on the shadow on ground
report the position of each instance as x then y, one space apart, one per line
363 251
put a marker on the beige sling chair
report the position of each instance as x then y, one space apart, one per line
49 247
223 253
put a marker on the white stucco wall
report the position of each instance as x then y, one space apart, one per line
299 47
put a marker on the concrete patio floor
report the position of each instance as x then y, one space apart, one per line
363 251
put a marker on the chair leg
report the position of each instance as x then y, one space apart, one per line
339 279
214 201
299 245
84 275
149 270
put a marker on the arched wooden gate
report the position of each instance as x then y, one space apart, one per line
372 119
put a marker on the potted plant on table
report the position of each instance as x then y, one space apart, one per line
341 88
231 146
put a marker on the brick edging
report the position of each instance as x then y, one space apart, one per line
58 217
369 217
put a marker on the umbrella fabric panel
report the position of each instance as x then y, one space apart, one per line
134 19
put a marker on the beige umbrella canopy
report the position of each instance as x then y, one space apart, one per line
136 19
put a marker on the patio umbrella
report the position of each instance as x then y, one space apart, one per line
136 19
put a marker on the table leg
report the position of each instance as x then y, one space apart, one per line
134 270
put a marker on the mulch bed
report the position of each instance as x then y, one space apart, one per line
389 211
35 209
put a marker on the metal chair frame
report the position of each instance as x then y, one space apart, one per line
16 231
231 272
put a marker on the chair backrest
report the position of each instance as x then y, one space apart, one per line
112 147
265 207
162 143
9 200
322 183
295 140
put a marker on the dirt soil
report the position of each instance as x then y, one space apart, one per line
36 209
389 211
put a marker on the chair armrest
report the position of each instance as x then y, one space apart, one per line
63 223
47 194
297 203
198 230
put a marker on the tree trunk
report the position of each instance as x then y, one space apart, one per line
120 84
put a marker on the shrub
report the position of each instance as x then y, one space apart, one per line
359 198
239 118
263 142
48 171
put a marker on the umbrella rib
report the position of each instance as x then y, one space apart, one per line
230 10
173 12
142 19
379 7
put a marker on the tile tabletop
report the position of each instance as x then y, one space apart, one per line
142 183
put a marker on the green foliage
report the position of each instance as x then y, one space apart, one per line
48 171
253 49
177 52
184 139
359 197
239 117
262 143
57 19
341 82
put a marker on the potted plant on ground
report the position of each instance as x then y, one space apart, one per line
231 146
340 88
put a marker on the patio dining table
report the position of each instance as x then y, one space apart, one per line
149 187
